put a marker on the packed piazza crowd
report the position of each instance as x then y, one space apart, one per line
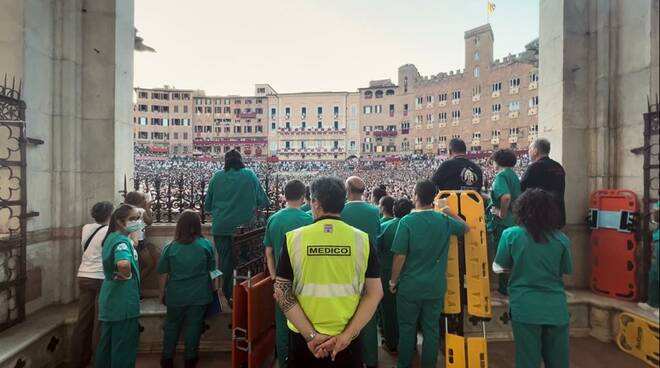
395 176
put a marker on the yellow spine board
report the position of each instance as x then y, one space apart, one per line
476 255
639 338
477 352
454 351
453 293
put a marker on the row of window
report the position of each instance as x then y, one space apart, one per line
303 125
313 144
226 110
164 95
163 109
225 101
513 132
226 129
303 111
378 93
161 121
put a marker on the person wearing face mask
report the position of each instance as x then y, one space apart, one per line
146 258
119 299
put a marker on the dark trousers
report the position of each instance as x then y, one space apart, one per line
193 316
225 248
301 357
87 330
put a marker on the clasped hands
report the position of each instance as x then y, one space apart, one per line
323 346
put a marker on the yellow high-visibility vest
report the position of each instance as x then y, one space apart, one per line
329 260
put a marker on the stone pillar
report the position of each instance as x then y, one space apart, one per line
597 66
75 58
11 39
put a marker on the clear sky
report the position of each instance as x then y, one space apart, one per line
226 46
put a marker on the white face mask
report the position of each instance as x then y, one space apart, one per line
133 226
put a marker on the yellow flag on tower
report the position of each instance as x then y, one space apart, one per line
491 7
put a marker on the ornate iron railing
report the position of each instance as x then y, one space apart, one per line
249 252
170 196
13 206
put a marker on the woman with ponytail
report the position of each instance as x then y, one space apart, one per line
119 300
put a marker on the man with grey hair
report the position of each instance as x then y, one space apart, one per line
545 173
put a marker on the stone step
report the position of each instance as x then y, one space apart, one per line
216 338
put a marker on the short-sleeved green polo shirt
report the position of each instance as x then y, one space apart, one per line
279 224
363 216
423 237
384 246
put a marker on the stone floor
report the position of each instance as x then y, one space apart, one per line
585 353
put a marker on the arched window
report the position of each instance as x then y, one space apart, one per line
476 72
379 94
368 94
389 92
476 56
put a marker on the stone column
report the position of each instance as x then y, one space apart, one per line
75 58
598 62
11 39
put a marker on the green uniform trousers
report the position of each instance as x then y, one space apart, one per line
536 343
118 344
427 312
281 337
225 248
654 280
388 314
369 340
502 278
193 315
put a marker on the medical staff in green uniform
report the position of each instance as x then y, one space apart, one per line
363 216
401 208
307 206
537 254
233 196
185 265
505 190
283 221
419 269
119 298
386 208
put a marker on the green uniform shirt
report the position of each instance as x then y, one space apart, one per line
384 246
423 237
384 220
363 216
119 299
305 207
279 224
188 267
536 289
232 198
506 182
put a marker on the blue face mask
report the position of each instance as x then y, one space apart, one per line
133 226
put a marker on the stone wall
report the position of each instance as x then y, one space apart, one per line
75 59
598 63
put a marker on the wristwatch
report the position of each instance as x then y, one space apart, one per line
311 336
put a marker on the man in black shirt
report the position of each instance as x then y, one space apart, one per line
546 174
458 173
